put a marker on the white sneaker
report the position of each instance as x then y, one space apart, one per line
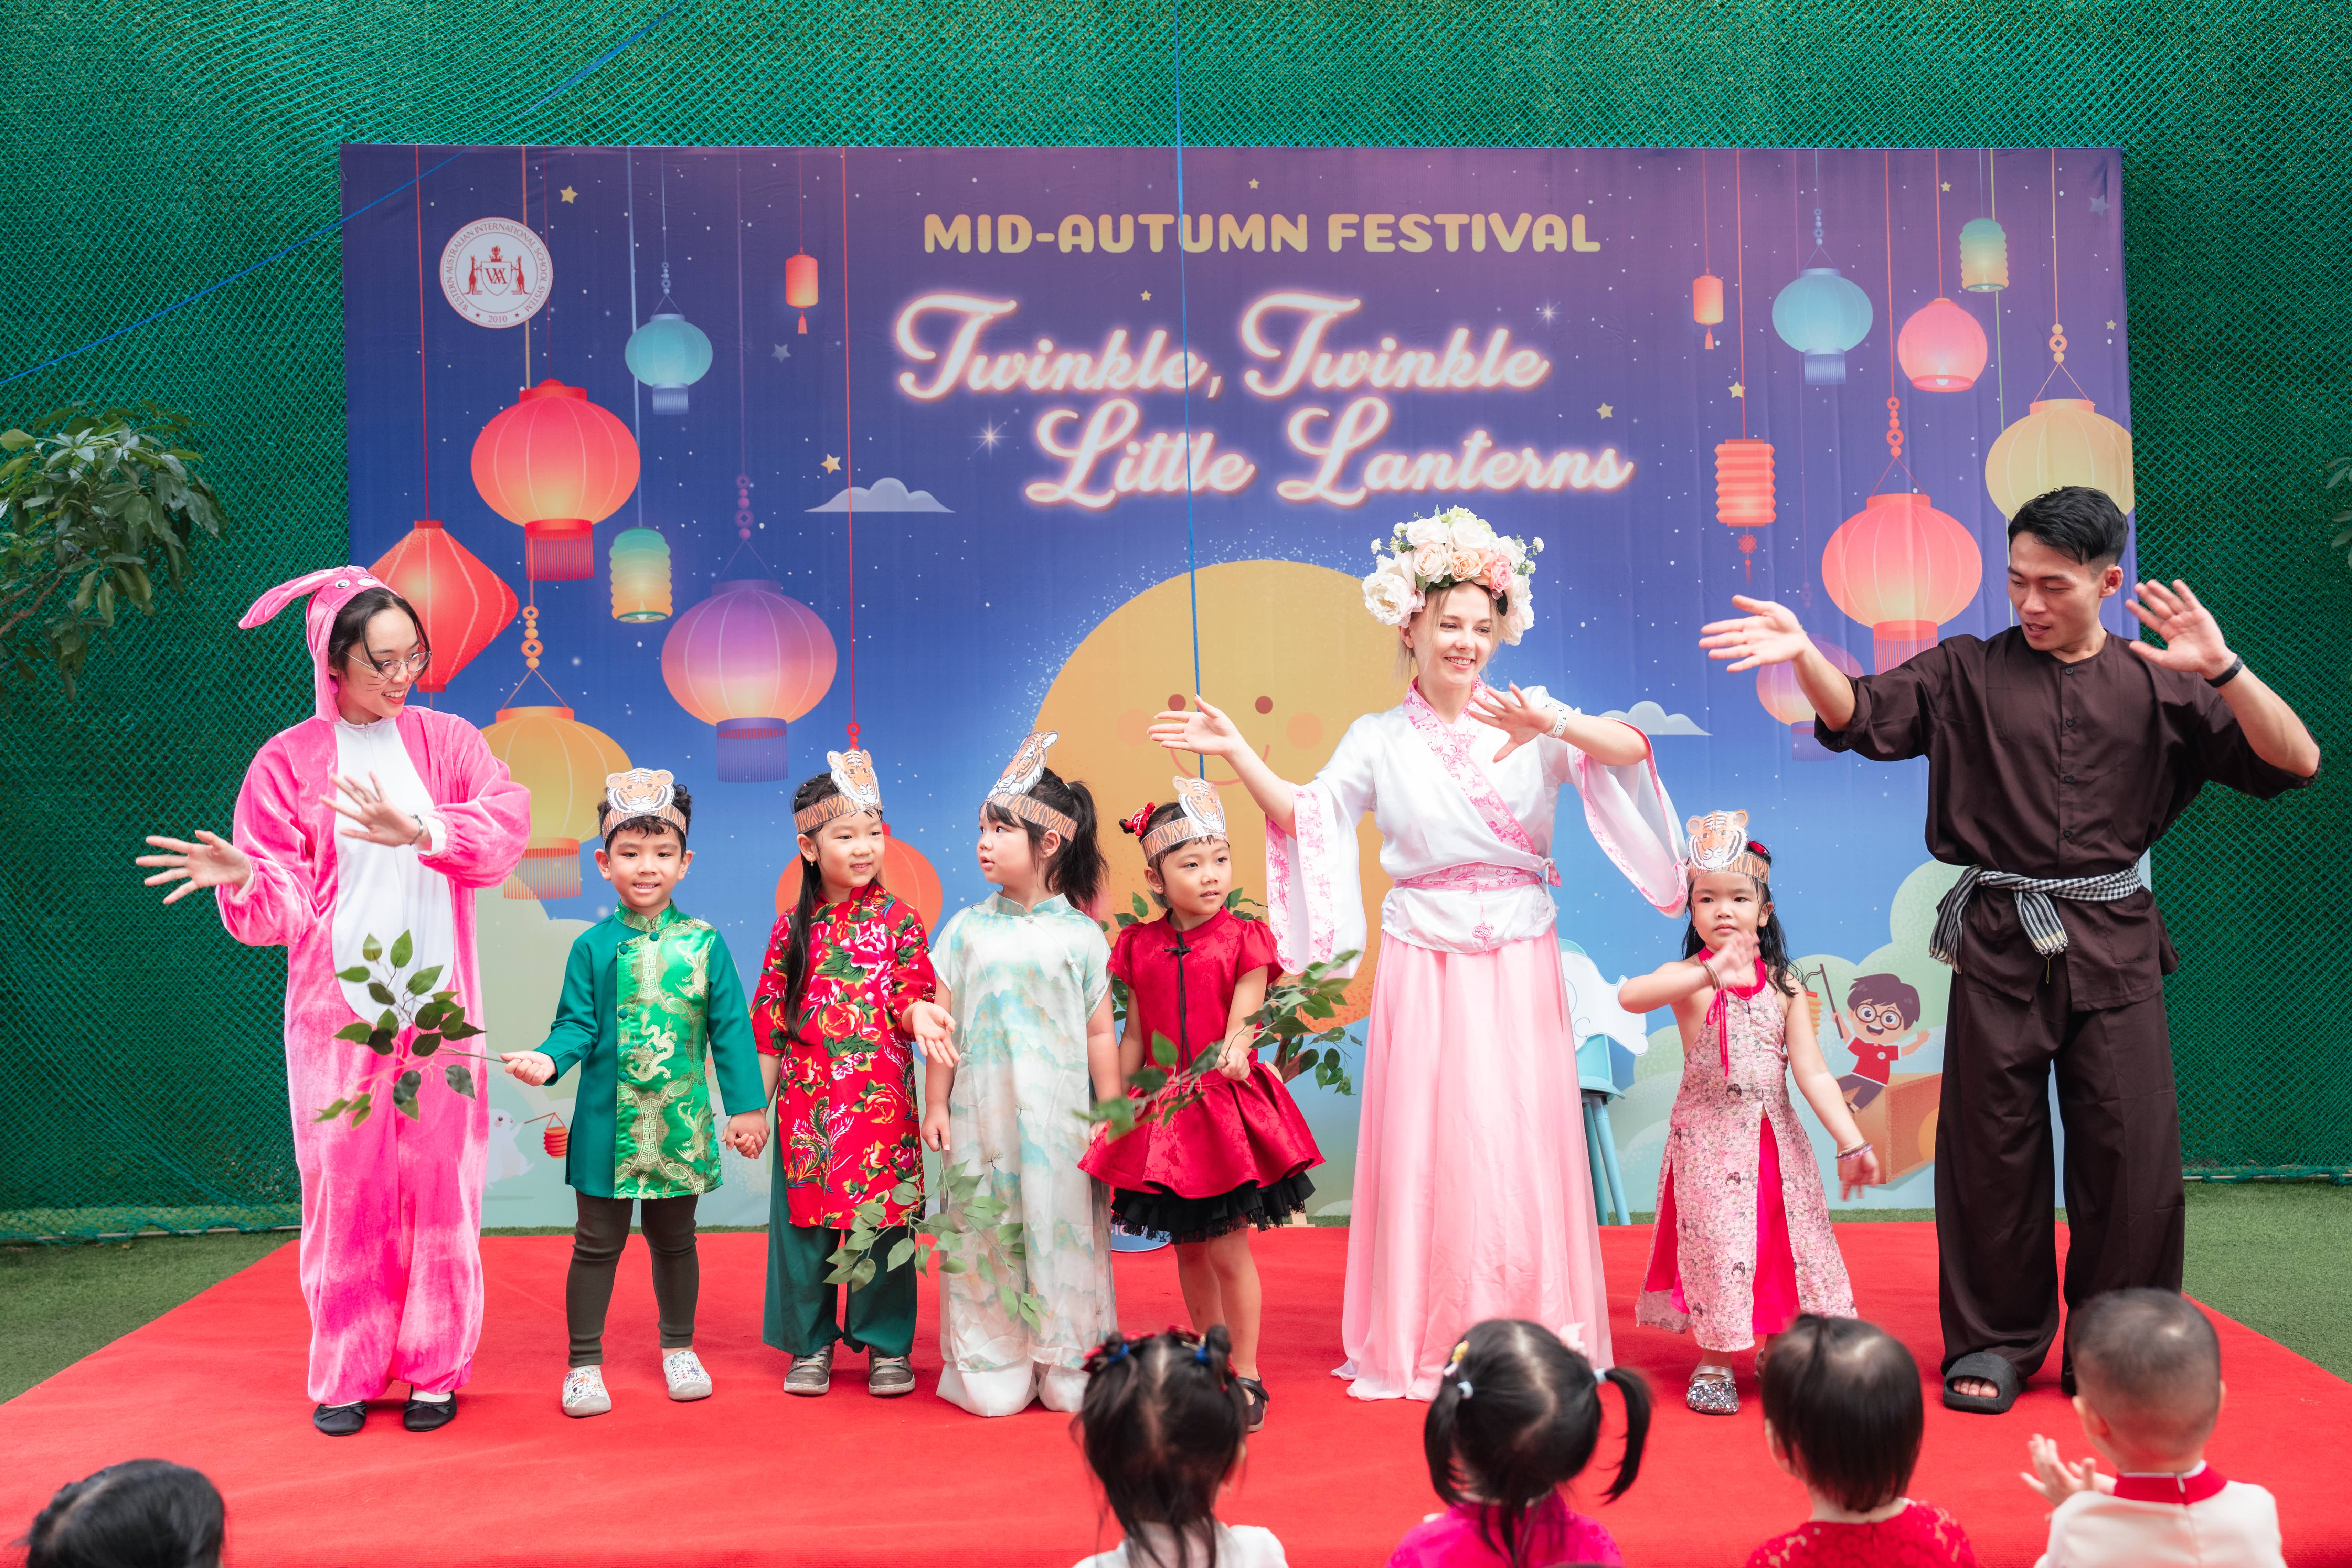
683 1371
584 1391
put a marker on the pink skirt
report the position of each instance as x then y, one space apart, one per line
1473 1198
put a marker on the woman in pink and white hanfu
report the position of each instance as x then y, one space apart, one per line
369 821
1473 1197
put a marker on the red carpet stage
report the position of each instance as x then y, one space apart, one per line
752 1476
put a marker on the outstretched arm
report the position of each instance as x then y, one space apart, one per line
1608 742
1209 733
1670 984
1769 634
2192 642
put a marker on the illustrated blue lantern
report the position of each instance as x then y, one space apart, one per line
668 354
1822 315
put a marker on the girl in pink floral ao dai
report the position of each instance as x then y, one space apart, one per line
1743 1241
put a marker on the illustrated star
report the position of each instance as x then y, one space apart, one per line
568 194
1147 293
784 352
1947 185
1253 184
2098 204
832 465
990 434
2111 326
1607 412
1738 390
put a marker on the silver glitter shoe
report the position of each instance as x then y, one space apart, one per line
1713 1392
811 1374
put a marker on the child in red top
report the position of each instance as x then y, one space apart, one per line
1236 1154
1843 1413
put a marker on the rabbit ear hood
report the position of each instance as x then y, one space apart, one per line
329 589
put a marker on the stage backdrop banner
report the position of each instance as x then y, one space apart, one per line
711 460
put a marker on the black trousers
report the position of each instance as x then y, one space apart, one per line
1999 1288
597 1238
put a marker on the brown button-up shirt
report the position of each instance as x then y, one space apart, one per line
2046 769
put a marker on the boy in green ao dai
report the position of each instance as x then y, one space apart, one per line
649 992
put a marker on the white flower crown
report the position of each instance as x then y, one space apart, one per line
1427 555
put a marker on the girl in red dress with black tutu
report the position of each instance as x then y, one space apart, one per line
1234 1151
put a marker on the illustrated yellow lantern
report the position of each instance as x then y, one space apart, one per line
1984 257
2061 441
564 764
640 575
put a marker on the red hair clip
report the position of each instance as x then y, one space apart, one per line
1134 824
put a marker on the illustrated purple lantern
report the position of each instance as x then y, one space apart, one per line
748 661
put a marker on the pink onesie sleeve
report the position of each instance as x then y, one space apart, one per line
279 901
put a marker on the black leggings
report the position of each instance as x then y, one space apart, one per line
596 1243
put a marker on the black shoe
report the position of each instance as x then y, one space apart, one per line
427 1415
340 1420
1255 1399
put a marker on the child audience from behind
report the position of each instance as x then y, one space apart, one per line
142 1513
1164 1429
2147 1366
1843 1413
1515 1419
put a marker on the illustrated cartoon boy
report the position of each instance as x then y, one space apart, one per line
1882 1008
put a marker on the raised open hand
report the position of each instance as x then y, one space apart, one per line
1207 734
374 817
2193 637
1767 634
211 862
1511 713
2056 1480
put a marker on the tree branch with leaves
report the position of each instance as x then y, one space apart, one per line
410 1003
90 511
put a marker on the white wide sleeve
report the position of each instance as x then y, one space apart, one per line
1315 895
1632 818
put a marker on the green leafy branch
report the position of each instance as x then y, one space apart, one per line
1296 1014
2339 471
409 1002
968 1234
90 510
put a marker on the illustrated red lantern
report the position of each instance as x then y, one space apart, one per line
800 285
1707 302
1777 690
904 872
1902 568
748 661
1942 348
1743 490
557 465
555 1136
464 604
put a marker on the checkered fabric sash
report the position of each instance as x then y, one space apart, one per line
2035 909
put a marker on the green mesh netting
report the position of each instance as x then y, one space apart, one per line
154 150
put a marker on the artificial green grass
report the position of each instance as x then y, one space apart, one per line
2277 1257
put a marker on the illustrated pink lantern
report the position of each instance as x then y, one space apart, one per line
1901 568
1941 348
1707 303
748 661
557 465
800 285
1777 690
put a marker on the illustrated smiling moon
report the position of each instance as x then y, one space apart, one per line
1287 652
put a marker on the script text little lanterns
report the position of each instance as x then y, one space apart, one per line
464 604
640 559
748 661
800 285
557 465
1901 568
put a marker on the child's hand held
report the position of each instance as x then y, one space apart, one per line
747 1132
935 1124
1235 1061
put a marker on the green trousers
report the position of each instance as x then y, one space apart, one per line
801 1316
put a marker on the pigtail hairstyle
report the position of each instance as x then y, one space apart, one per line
1517 1415
142 1513
796 946
1162 1425
1771 940
1077 868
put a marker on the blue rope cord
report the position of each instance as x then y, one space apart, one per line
326 228
1184 335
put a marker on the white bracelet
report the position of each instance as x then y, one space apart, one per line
1559 725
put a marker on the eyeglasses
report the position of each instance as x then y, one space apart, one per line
395 668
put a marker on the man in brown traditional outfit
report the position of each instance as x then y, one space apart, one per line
2056 754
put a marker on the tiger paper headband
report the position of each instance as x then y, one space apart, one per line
641 791
853 775
1719 842
1020 776
1204 816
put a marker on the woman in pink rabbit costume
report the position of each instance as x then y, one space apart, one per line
391 1202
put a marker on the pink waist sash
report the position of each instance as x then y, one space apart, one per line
1474 879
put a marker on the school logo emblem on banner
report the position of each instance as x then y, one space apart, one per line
496 272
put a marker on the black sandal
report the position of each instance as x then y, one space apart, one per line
1255 1399
340 1420
1986 1367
